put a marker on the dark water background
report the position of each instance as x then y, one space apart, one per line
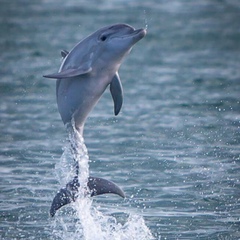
174 149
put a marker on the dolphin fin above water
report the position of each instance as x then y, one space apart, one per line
117 93
70 72
97 186
64 53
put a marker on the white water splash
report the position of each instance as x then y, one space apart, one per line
83 221
89 224
75 158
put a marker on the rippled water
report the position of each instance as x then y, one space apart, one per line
174 149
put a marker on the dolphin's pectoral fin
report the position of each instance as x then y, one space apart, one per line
64 53
71 72
117 93
97 186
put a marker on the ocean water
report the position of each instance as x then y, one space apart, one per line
175 147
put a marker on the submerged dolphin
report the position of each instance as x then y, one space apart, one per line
85 73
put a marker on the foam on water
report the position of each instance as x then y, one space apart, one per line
84 221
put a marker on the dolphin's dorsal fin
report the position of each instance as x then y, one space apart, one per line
64 53
71 72
117 93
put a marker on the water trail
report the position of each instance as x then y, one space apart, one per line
81 220
74 161
145 19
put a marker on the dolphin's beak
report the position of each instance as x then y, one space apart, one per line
137 34
140 32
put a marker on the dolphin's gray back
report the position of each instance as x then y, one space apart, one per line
80 54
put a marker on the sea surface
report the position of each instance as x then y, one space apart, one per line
175 146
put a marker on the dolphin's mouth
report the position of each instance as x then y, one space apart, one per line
140 32
135 33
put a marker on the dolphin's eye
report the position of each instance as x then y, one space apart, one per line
103 38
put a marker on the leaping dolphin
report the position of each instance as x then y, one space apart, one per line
84 75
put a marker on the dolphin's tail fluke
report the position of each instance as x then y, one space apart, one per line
97 186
